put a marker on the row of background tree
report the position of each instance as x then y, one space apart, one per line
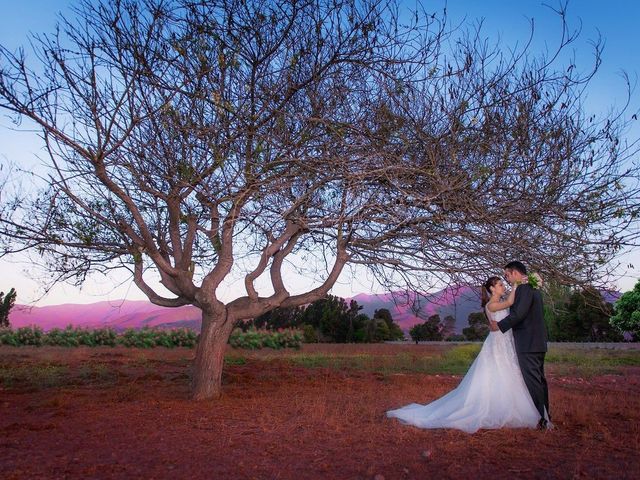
578 315
331 319
571 315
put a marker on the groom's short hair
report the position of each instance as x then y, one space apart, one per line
517 266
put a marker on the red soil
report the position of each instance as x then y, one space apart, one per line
125 413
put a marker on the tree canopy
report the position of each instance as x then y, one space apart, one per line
6 304
205 139
478 328
626 316
332 319
581 315
429 330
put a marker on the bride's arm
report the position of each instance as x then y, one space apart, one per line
495 306
493 325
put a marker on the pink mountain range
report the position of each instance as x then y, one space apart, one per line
117 315
458 302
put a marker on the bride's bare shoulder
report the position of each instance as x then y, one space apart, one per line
492 307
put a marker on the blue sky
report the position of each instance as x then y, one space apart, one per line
615 20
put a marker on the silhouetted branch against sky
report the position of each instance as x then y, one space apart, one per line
205 147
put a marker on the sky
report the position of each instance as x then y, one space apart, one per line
616 21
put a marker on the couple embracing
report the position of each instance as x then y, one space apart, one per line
505 386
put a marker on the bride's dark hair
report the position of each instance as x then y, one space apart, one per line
486 289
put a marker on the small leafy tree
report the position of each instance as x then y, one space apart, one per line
362 331
384 314
333 319
478 328
416 333
376 331
585 318
448 326
431 330
285 317
395 332
309 334
555 297
353 320
6 304
626 316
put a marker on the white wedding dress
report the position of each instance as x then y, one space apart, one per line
491 395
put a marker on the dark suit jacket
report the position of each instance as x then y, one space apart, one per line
526 318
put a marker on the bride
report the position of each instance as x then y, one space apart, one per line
492 394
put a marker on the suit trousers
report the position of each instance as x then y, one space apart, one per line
532 367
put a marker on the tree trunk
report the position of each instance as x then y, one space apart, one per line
207 371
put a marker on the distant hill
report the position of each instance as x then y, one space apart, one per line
610 296
458 302
117 315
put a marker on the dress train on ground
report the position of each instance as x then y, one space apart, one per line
492 394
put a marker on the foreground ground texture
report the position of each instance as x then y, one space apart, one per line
317 413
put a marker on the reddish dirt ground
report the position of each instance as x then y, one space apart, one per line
124 413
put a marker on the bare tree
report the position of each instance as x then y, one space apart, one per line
193 138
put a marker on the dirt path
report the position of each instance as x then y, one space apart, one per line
118 413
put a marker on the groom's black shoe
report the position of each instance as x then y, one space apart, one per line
544 425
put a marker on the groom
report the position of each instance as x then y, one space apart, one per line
530 337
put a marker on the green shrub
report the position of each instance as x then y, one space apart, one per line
73 337
254 339
143 338
8 337
289 338
250 340
151 337
62 338
31 335
183 337
162 339
104 337
309 334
